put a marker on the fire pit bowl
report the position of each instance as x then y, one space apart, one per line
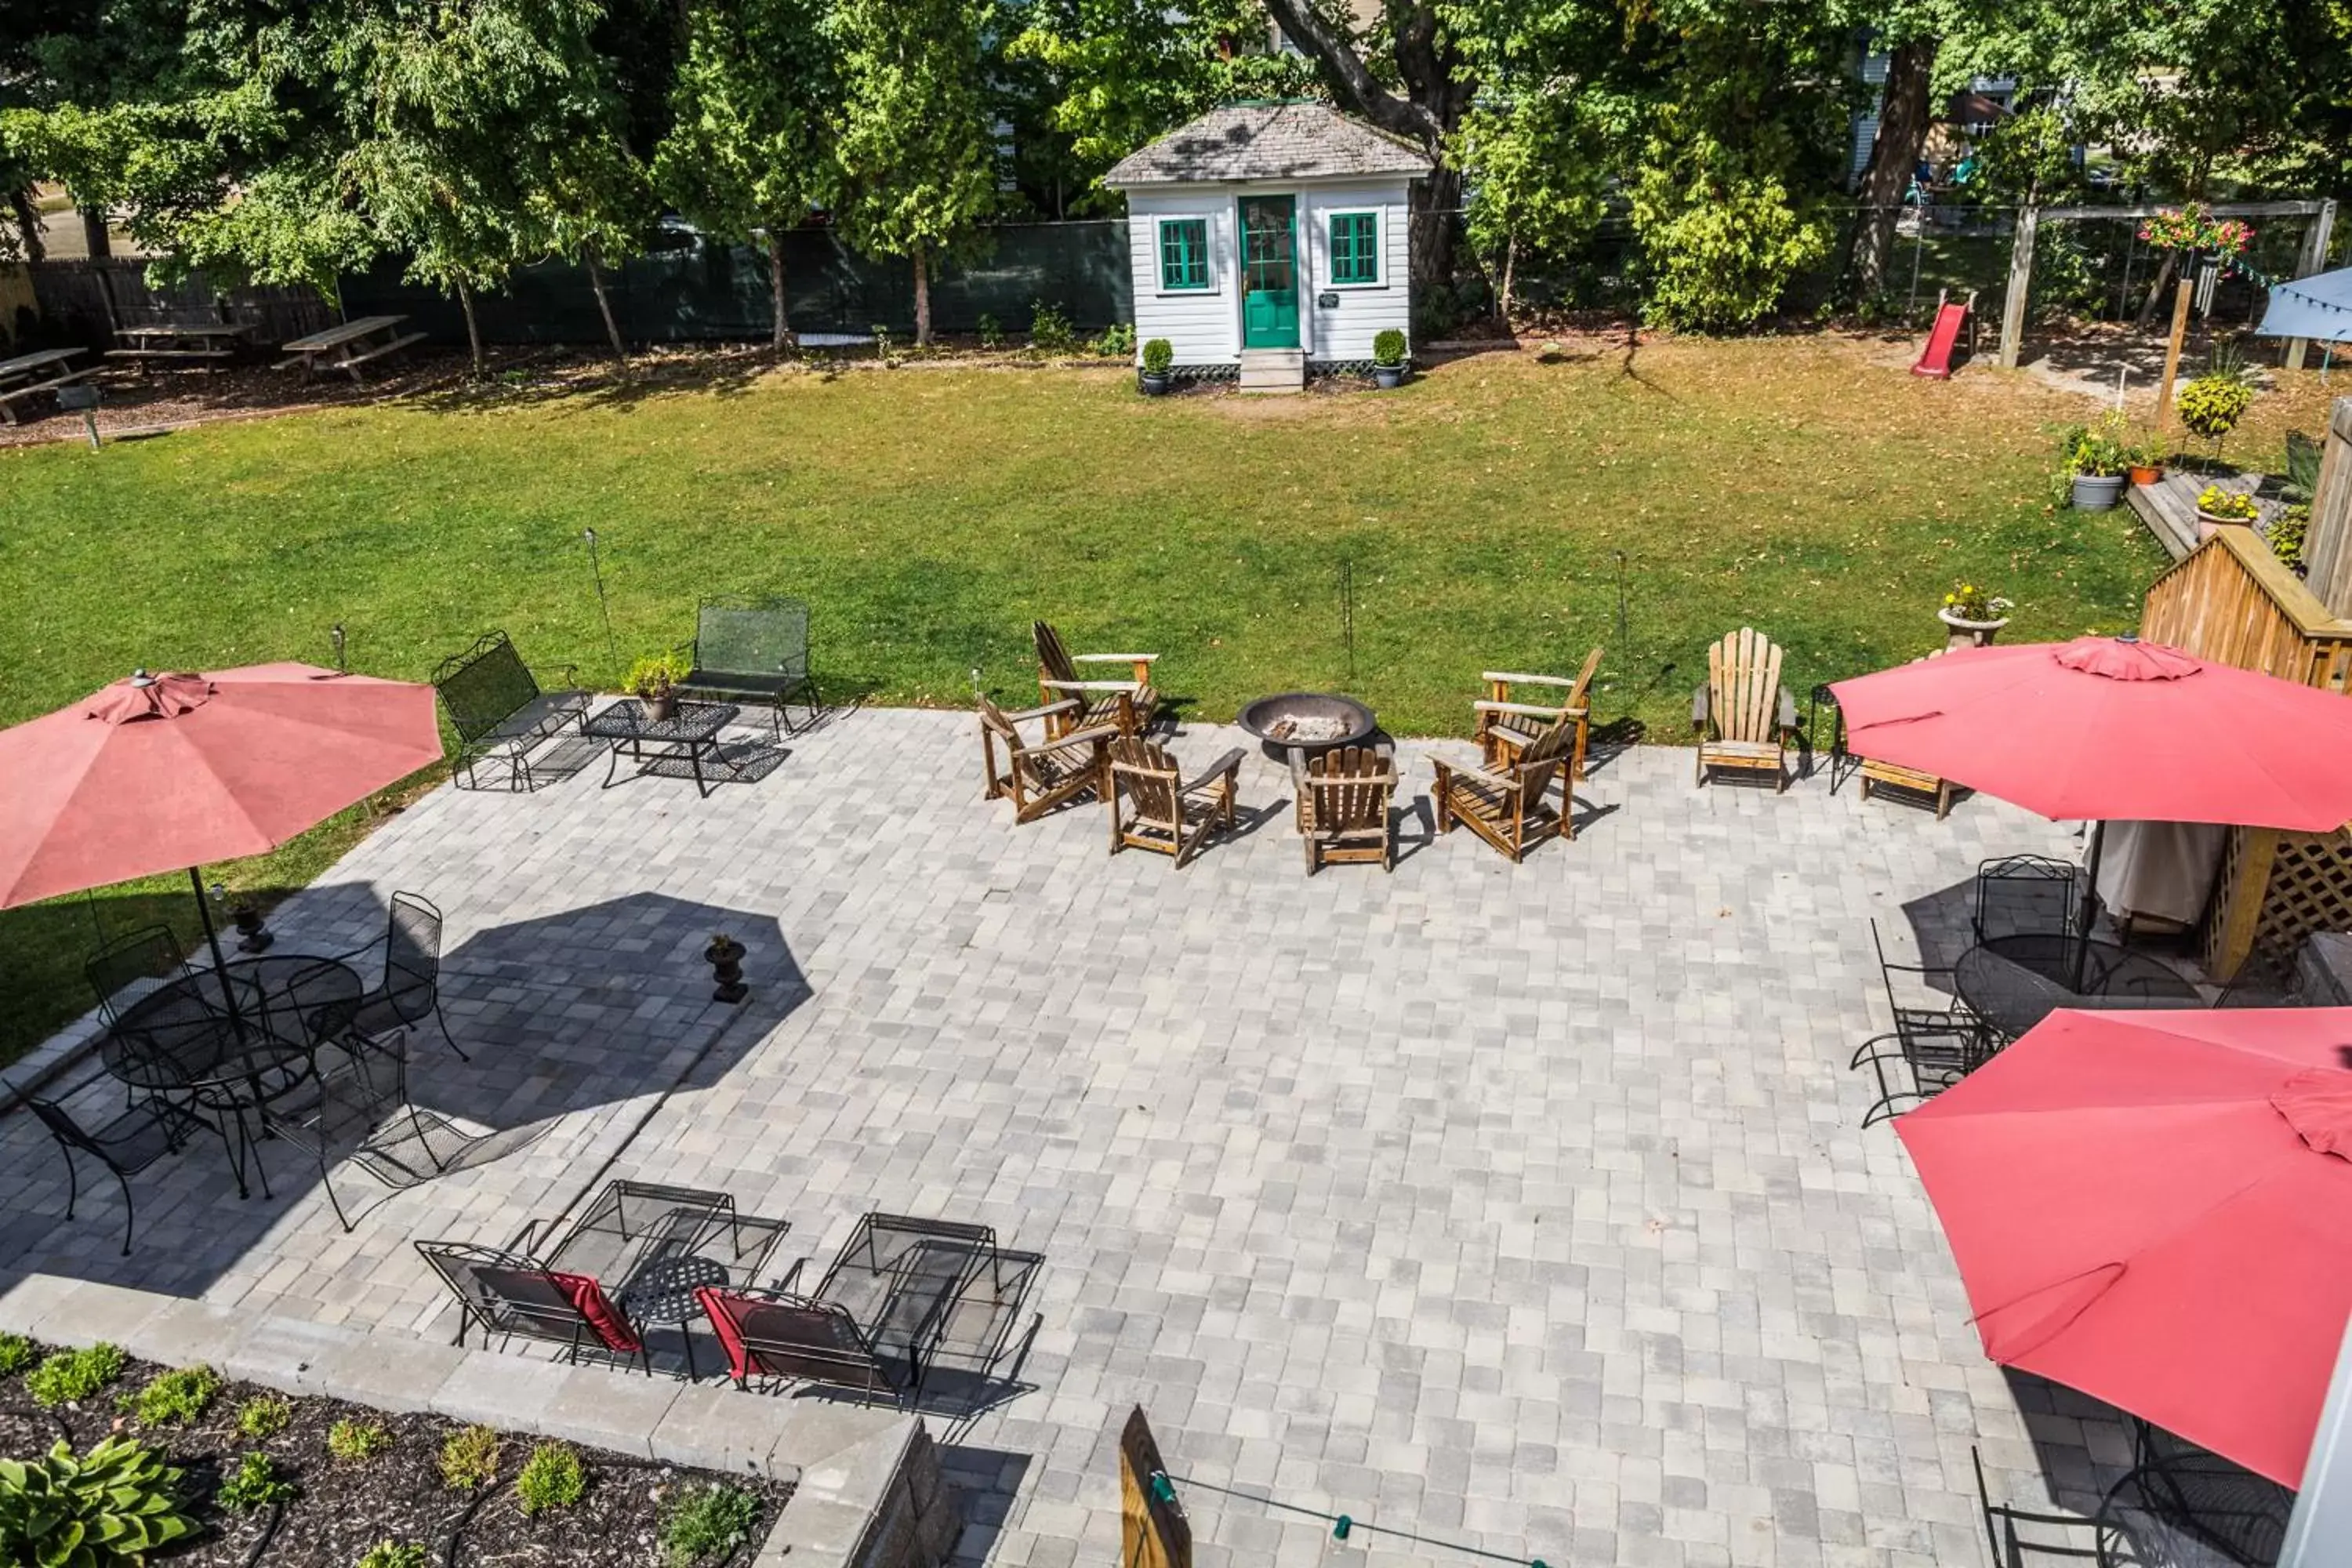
1307 721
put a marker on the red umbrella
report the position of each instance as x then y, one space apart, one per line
2113 729
164 772
2150 1207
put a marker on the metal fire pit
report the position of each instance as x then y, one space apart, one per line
1307 721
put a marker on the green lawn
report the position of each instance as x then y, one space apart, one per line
1490 512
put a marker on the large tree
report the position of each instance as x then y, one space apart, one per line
749 149
916 143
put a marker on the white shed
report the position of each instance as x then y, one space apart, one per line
1268 236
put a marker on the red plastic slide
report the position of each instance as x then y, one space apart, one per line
1936 359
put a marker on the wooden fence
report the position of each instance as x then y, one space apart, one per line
2327 548
85 301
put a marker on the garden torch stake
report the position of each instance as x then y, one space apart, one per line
1348 612
611 649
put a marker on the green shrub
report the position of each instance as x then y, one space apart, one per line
112 1505
881 342
992 331
68 1377
1388 346
1050 331
2287 531
256 1485
395 1555
1720 259
175 1398
263 1417
2097 451
1117 342
357 1442
707 1523
553 1477
1158 356
2212 405
469 1458
17 1353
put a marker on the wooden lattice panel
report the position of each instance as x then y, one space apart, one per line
2310 890
2214 953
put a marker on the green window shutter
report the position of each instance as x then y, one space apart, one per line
1183 253
1355 248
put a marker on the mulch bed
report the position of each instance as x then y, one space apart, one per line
345 1509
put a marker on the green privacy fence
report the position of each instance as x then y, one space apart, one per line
693 291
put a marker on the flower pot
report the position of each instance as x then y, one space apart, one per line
1962 632
2208 524
1388 376
2146 474
2097 493
661 707
1154 384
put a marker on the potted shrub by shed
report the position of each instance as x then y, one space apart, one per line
1159 358
1388 359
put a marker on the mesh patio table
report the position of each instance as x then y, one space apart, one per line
2014 981
654 1245
690 735
2193 1516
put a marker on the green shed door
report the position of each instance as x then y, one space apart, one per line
1270 272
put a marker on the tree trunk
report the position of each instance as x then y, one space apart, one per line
923 301
473 328
94 233
605 304
1435 202
1510 261
783 340
28 224
1903 122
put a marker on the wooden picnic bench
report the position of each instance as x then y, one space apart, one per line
45 370
204 344
348 346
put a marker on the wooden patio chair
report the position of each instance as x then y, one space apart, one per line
1130 704
1505 806
1154 807
1344 795
1744 715
1041 774
1506 728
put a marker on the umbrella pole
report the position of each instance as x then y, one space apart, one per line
2090 904
212 939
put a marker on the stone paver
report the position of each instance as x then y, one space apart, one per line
1527 1207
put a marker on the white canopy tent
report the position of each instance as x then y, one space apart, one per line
2318 307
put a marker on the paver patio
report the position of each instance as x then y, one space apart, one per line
1523 1207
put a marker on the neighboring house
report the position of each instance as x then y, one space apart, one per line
1266 237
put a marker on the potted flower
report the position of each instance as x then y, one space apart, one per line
1388 358
2217 508
2144 460
654 680
1159 358
2095 460
1973 616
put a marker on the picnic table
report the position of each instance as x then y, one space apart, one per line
350 346
206 343
44 370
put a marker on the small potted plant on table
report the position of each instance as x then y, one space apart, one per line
1972 617
1388 358
2219 509
653 679
2095 460
1159 359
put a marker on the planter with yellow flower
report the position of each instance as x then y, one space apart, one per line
1972 617
2219 509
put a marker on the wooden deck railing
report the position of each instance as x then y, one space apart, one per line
2231 602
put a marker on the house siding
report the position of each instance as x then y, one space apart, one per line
1345 332
1202 326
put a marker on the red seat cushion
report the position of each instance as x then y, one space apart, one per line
722 1323
589 1297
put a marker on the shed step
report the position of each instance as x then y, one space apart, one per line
1273 370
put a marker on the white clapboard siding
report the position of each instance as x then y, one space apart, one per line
1346 331
1202 326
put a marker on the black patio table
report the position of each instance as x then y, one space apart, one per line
690 735
2014 981
2170 1515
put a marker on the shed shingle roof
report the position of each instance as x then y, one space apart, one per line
1268 141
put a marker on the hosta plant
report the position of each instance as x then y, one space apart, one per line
110 1506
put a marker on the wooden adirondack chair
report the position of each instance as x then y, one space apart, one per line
1343 797
1154 807
1505 806
1041 774
1744 715
1130 704
1505 727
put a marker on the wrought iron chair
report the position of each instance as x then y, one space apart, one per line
362 1100
2027 895
499 710
131 956
1154 807
1935 1048
752 650
512 1296
2021 1539
409 989
1130 704
125 1145
1041 774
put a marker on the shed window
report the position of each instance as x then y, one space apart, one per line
1185 253
1355 248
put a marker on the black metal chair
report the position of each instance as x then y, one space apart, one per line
1933 1047
514 1297
147 954
2028 895
126 1145
409 990
499 710
752 650
2020 1538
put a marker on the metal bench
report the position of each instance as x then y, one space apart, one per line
499 710
751 651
